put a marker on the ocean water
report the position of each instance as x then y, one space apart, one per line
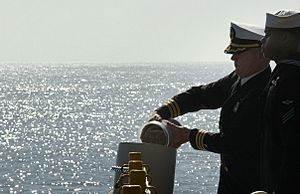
60 124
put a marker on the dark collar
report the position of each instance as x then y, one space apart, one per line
292 60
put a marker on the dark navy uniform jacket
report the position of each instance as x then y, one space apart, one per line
238 139
281 163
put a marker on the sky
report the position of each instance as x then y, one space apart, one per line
125 31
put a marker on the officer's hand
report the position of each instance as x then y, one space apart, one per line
180 134
155 117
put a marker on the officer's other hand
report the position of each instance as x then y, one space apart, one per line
180 134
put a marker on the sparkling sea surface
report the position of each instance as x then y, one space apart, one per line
60 124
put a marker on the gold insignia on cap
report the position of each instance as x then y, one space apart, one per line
244 36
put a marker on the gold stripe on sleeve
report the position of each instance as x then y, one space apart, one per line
202 139
172 108
199 139
177 108
171 104
171 111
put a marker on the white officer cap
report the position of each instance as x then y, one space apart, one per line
244 36
283 19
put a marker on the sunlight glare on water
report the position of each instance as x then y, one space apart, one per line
60 124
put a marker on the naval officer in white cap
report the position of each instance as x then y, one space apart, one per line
238 96
280 164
